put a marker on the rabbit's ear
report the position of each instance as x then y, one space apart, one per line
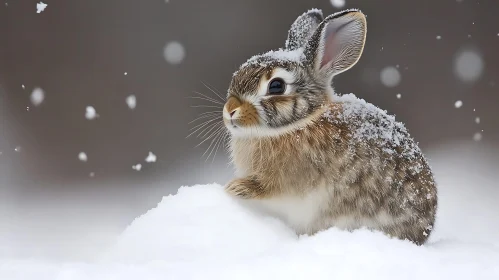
302 29
338 42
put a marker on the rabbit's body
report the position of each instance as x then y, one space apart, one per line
317 160
352 166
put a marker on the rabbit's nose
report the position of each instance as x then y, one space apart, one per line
233 112
232 108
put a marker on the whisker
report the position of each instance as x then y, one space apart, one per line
212 90
203 123
217 111
227 143
206 125
201 134
209 126
209 146
205 106
208 130
214 141
206 99
220 143
210 112
212 115
211 135
202 94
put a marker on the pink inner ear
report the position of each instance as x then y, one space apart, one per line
329 51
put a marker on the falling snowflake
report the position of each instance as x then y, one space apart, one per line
90 113
40 7
174 52
137 167
477 120
338 3
23 86
477 137
126 73
468 66
151 157
390 76
439 37
131 101
82 156
399 95
17 149
458 104
37 96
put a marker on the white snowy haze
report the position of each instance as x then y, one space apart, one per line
201 233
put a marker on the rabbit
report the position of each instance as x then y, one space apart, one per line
316 159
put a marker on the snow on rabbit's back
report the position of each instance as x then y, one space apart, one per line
317 160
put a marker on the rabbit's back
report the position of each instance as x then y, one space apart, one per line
386 171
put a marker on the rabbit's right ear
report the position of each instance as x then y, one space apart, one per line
302 29
338 42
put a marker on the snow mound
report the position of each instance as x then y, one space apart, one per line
201 233
199 224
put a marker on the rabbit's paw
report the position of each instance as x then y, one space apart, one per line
243 188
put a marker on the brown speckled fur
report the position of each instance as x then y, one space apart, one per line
322 155
354 182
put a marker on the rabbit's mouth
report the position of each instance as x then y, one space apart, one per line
239 114
232 123
238 124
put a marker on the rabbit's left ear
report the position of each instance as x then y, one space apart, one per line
338 42
302 29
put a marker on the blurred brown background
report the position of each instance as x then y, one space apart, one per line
78 52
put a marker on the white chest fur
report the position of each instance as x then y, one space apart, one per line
309 213
302 213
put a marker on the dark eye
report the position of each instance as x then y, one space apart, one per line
277 86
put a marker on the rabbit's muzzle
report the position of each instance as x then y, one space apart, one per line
238 114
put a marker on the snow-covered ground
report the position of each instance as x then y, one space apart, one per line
200 233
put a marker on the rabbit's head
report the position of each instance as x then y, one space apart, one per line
280 91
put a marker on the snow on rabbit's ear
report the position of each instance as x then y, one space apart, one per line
338 42
302 29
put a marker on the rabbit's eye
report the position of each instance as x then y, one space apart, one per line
277 86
